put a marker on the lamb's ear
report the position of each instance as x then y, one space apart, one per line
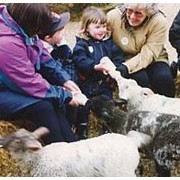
33 145
146 92
40 132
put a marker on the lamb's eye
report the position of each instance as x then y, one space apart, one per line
145 94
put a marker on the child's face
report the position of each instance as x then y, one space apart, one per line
97 31
57 37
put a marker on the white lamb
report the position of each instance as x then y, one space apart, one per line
139 98
144 99
106 155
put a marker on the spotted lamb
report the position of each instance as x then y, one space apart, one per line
163 128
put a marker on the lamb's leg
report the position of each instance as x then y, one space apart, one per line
163 158
162 171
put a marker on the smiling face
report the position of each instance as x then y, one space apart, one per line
135 15
97 30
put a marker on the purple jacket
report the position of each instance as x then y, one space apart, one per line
27 70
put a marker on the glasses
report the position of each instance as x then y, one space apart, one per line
138 14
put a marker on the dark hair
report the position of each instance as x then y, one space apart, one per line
32 17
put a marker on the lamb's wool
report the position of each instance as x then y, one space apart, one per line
164 128
143 99
106 155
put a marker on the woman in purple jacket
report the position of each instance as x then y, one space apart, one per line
32 84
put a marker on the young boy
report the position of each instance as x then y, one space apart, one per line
54 42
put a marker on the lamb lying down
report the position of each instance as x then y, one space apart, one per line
163 128
106 155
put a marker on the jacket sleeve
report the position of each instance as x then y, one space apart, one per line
174 33
153 47
61 52
53 71
117 55
18 74
84 62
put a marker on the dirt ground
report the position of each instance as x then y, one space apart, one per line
170 9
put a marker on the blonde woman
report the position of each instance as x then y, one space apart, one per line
140 30
94 43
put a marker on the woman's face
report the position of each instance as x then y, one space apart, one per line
135 16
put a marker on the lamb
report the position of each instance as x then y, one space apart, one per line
107 155
138 98
163 128
144 99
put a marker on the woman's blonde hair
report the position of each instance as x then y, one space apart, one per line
149 8
91 15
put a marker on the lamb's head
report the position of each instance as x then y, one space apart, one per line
108 111
130 91
23 141
104 108
101 106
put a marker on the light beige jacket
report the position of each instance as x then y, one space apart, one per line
142 46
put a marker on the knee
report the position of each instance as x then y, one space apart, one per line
164 85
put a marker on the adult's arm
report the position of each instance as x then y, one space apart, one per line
18 74
153 47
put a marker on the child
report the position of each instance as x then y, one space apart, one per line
54 42
94 42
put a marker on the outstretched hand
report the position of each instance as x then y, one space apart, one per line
78 99
71 86
105 66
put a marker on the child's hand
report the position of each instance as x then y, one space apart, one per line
106 66
78 99
71 86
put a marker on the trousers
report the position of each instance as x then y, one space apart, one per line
158 77
45 113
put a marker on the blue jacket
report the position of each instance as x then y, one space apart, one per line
28 73
88 53
63 53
